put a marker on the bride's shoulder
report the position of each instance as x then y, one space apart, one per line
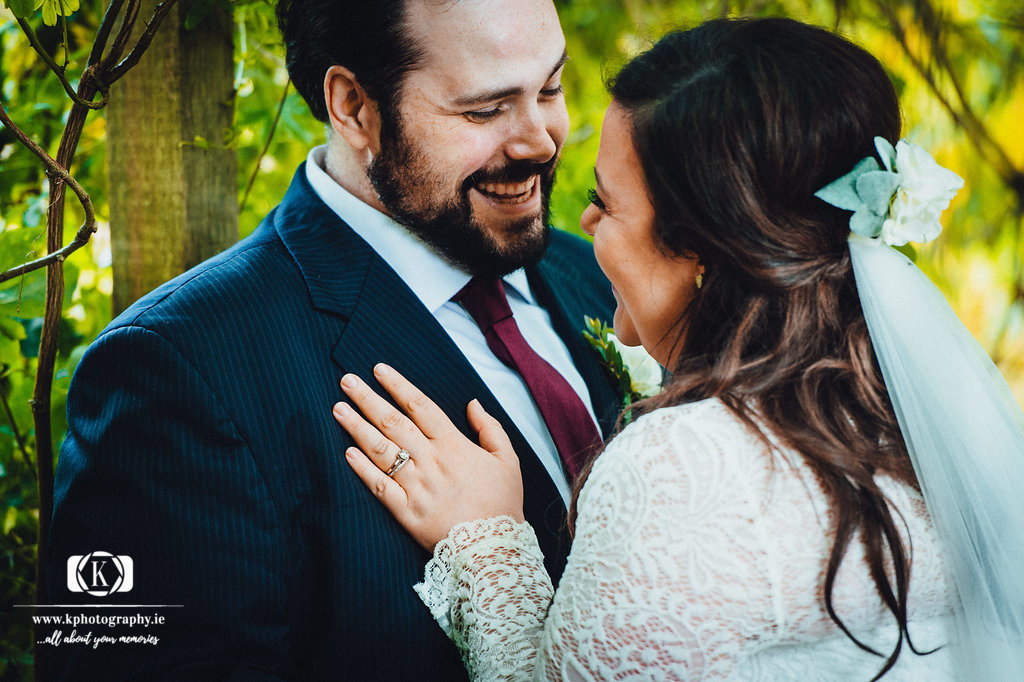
703 419
689 434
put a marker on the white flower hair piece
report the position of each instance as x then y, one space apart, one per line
900 203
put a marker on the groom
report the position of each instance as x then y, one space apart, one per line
203 468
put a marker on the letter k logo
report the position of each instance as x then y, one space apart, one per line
97 574
100 573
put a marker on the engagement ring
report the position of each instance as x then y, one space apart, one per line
400 460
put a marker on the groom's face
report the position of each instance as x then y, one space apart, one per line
470 164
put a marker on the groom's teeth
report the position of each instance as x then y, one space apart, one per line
509 190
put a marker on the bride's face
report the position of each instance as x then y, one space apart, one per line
652 287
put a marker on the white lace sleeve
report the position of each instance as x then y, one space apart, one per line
697 555
487 588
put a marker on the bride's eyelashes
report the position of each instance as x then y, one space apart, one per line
594 199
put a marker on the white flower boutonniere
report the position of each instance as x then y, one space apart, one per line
636 374
643 371
900 203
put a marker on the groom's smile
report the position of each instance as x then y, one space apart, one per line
511 198
511 194
469 165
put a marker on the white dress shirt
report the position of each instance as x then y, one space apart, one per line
435 281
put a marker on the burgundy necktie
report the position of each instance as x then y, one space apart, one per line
567 419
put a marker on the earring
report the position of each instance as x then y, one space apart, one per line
700 279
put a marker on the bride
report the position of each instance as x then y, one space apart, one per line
826 488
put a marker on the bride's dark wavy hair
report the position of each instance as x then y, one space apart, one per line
737 123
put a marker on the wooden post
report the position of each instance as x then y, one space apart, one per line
172 171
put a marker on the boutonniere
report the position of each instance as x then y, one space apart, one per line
636 374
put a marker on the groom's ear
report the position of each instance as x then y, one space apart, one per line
351 112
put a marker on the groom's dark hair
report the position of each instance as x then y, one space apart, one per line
737 123
369 37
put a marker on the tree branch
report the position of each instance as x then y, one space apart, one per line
58 70
67 48
57 173
43 390
103 33
1003 162
144 40
124 34
80 240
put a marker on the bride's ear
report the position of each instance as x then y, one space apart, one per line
350 111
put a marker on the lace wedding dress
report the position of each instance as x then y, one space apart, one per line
697 555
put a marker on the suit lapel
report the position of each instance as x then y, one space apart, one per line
385 322
389 324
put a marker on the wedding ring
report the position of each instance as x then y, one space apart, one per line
400 460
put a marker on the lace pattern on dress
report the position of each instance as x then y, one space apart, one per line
699 554
487 588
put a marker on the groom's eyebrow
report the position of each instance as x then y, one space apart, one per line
501 93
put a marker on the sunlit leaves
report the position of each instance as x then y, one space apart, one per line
55 8
52 9
22 8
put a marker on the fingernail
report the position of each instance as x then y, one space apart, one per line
349 381
342 410
381 369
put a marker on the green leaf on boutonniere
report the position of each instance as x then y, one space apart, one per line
602 339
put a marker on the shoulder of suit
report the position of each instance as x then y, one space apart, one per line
252 272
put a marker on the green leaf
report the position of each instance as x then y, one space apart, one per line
54 8
886 151
22 9
842 192
198 141
33 332
24 297
875 189
10 518
50 12
10 329
866 223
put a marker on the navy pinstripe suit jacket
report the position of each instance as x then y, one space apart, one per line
201 444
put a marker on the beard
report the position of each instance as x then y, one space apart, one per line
416 198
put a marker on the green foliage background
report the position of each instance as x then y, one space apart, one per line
952 60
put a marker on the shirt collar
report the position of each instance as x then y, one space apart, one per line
430 277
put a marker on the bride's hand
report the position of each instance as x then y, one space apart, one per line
447 479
